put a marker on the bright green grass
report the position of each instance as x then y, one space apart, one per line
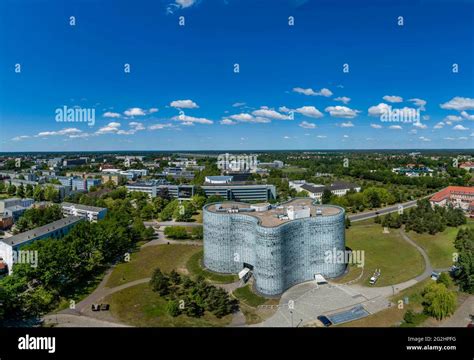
246 295
439 247
144 262
194 267
398 260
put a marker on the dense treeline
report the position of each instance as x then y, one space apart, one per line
464 244
35 217
424 218
192 298
68 264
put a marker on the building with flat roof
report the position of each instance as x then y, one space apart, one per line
91 213
241 192
281 245
338 188
56 229
160 187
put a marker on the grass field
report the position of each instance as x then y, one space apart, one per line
144 262
140 306
194 267
293 169
246 295
398 260
439 247
249 302
198 217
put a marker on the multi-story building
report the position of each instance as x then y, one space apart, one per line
241 192
337 188
91 213
281 245
13 208
10 246
457 196
156 188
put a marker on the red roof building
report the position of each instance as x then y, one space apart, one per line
457 196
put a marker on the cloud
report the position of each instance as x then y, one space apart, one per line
270 114
179 4
467 116
110 114
110 128
188 120
344 99
341 112
228 122
419 102
309 111
184 104
395 127
422 138
321 136
152 110
248 118
439 125
458 103
419 125
453 118
136 111
67 131
310 92
393 98
378 110
307 125
375 126
345 136
346 124
238 104
21 137
460 128
159 126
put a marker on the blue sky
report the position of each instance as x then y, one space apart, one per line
182 92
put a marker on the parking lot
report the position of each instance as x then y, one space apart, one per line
303 303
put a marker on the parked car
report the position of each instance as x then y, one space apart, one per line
324 320
104 307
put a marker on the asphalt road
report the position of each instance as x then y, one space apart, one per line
386 210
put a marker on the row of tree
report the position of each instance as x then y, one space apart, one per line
424 218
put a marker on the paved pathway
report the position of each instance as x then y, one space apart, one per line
461 318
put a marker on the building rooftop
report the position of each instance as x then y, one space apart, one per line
276 215
82 207
446 192
41 231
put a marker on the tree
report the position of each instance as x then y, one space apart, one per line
29 191
38 193
160 282
444 279
347 222
2 187
51 194
438 301
11 189
326 197
173 308
464 244
20 191
198 201
176 232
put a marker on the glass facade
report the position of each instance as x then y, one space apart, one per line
282 256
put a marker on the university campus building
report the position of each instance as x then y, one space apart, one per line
280 245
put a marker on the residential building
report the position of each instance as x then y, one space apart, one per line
91 213
338 188
10 246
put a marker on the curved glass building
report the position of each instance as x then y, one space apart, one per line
283 245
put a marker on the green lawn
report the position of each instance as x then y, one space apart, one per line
293 169
398 260
439 247
144 262
194 267
198 217
140 306
246 295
